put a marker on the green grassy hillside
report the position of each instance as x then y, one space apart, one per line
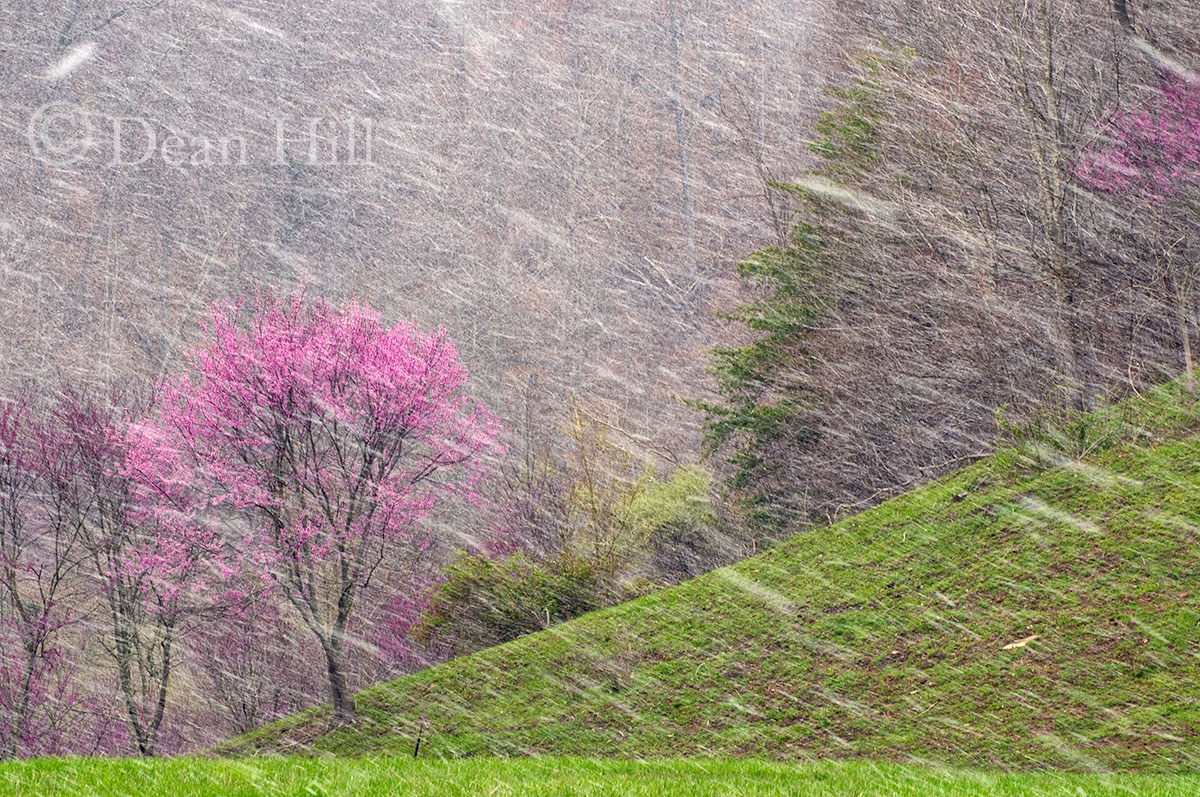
1011 615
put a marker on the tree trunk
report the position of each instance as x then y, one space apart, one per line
22 717
339 691
143 730
1185 337
689 224
164 680
1121 9
123 653
1070 340
20 713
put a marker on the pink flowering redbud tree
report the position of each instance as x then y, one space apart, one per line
334 435
149 567
1151 161
39 593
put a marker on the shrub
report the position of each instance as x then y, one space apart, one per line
485 602
1056 433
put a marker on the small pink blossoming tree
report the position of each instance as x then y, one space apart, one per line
39 595
332 435
79 542
1151 160
152 572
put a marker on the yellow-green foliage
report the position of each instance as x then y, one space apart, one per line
618 506
682 500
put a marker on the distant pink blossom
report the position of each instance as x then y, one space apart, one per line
1153 150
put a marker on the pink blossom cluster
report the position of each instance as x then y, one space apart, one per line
332 428
1154 149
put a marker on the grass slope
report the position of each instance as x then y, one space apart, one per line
365 777
887 635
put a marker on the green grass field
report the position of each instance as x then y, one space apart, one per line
1009 616
364 777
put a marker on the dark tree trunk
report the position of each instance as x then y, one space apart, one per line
20 716
1122 12
339 691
